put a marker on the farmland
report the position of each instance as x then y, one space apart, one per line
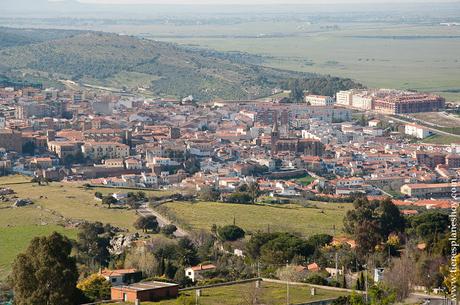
269 293
368 54
308 219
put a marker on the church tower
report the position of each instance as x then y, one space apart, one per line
275 135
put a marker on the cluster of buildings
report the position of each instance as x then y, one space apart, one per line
389 101
125 140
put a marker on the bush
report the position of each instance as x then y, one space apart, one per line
230 233
317 280
147 223
169 229
239 197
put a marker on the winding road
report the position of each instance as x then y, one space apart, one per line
144 210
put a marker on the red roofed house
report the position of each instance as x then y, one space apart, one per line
194 273
121 276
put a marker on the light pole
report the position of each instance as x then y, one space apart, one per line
287 283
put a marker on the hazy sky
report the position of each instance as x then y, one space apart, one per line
250 1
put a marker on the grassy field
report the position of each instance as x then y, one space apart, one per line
319 218
55 205
305 180
370 55
14 240
441 139
269 293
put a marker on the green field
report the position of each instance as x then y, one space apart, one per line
269 293
441 139
369 54
317 218
14 240
55 208
305 180
415 56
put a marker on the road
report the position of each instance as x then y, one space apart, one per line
432 129
144 210
430 299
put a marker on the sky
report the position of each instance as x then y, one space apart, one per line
214 2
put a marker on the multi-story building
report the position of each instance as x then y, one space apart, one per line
362 101
105 150
319 100
11 140
64 148
409 103
417 131
344 98
422 190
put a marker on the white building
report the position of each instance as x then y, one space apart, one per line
195 273
344 98
417 131
319 100
362 101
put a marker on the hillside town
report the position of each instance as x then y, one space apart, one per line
128 141
352 147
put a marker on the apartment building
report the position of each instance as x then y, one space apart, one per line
428 190
409 103
344 98
319 100
104 150
417 131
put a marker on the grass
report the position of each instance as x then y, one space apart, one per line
270 293
319 218
353 50
305 180
14 240
441 139
55 205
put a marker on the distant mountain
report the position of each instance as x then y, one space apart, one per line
126 62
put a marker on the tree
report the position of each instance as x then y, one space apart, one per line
296 94
92 244
98 195
45 273
400 276
284 247
390 218
95 287
142 259
29 148
230 233
169 229
146 223
187 253
109 200
254 191
367 235
239 197
320 240
371 222
209 194
381 295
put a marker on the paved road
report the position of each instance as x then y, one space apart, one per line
432 129
430 299
145 210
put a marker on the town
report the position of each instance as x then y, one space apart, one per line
361 148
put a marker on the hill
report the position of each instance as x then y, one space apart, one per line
126 63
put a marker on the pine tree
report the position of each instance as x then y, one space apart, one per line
45 273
